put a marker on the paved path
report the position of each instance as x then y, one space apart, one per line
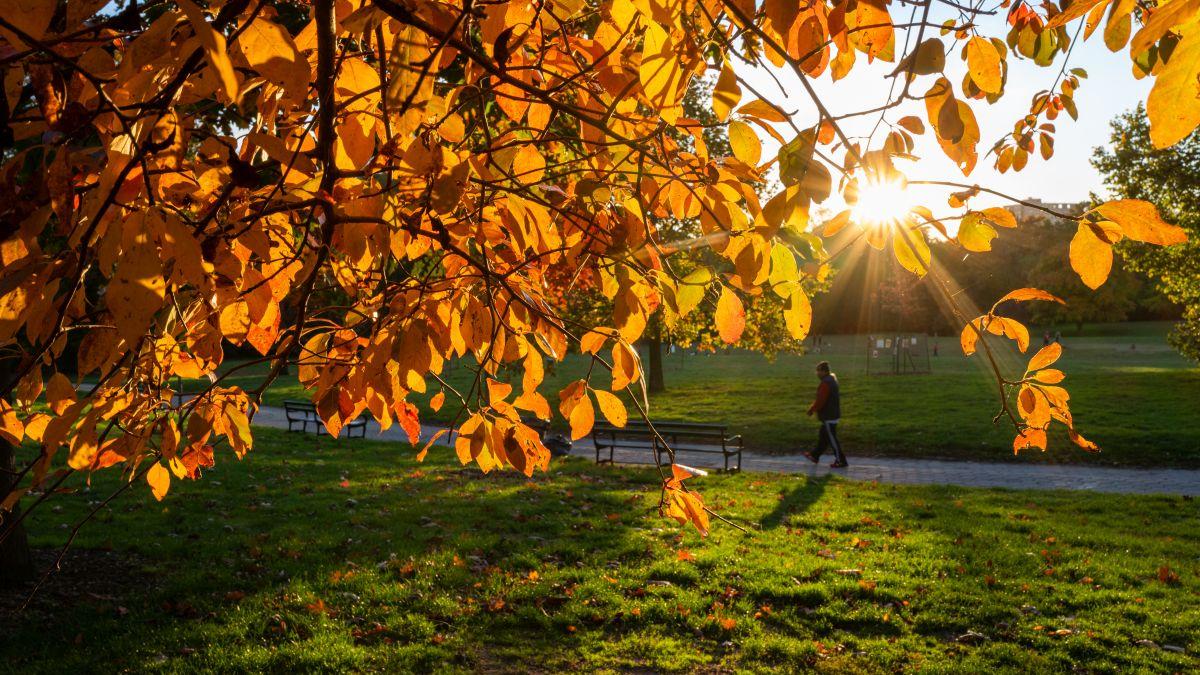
890 470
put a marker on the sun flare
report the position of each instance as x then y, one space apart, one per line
882 202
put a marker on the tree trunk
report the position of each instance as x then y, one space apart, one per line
16 564
655 381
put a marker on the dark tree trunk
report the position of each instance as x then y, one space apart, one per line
654 380
16 565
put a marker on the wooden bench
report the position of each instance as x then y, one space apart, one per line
303 413
681 436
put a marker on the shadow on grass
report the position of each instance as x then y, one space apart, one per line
302 555
796 502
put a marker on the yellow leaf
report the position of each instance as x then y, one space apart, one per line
1073 11
1045 356
60 394
1049 376
912 251
528 165
983 62
954 125
975 234
687 507
625 368
661 73
998 215
612 408
1010 328
1023 294
11 428
1164 18
160 481
726 93
798 315
730 316
583 417
592 341
1029 438
784 271
214 48
137 289
745 143
1139 220
763 111
1172 104
270 50
1091 256
691 290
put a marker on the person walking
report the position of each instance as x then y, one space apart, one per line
828 408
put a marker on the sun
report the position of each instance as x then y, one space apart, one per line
882 201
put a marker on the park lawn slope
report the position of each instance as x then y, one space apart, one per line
353 557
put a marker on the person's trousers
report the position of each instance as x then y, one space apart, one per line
827 438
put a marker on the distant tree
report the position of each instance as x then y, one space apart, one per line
1170 179
1114 301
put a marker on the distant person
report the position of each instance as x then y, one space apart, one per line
935 349
828 408
1058 337
1046 339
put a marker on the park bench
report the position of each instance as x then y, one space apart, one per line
681 436
303 413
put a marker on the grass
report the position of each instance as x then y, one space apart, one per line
1139 405
352 557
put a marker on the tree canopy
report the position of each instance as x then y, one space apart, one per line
367 189
1134 168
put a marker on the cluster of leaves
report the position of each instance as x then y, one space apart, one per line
374 188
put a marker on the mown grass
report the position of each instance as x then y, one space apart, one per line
352 557
1138 404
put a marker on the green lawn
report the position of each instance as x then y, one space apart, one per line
353 557
1139 405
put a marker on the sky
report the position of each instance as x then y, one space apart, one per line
1110 89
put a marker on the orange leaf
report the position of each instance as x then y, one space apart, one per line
1091 256
1045 356
1022 294
582 418
1139 220
612 408
730 316
160 481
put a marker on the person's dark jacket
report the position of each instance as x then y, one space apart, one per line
828 405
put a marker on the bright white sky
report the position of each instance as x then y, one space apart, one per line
1109 89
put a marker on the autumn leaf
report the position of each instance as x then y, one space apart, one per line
582 418
1024 294
159 479
1139 220
975 233
1173 115
983 63
611 407
1091 252
798 314
660 72
745 143
214 49
730 316
726 92
1045 356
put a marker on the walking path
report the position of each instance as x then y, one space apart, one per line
1013 475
